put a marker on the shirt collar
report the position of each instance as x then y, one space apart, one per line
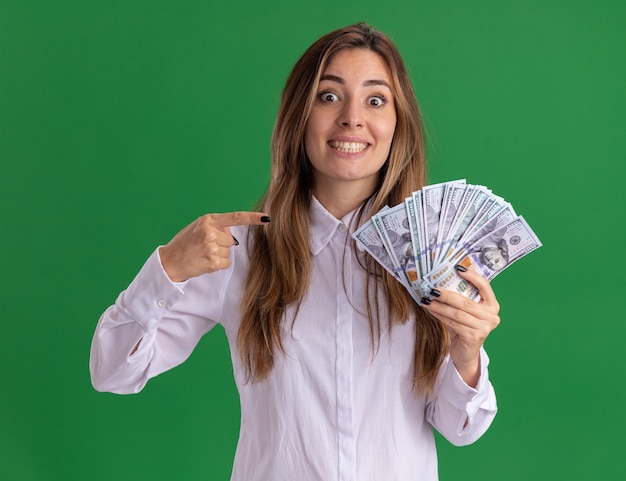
324 225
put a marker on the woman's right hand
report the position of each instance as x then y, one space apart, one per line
204 245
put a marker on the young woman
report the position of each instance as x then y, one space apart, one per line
342 376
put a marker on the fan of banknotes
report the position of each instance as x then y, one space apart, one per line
421 241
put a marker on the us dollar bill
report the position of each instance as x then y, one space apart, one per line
369 240
396 235
453 195
490 209
492 220
447 277
432 202
396 232
499 249
491 223
420 222
418 262
488 256
472 197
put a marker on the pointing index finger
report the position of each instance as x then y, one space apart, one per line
240 218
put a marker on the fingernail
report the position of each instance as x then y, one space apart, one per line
460 268
265 218
235 239
435 292
426 300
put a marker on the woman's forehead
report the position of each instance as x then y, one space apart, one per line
371 68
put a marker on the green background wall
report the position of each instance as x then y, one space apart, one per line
122 121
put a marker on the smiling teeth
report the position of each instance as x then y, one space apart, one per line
349 147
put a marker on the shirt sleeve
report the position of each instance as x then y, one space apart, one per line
152 314
459 412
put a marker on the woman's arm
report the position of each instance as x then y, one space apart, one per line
465 402
462 413
155 323
152 327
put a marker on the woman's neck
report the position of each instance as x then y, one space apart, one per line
342 199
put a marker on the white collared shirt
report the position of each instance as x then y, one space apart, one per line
330 409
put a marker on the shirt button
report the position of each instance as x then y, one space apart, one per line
161 303
342 228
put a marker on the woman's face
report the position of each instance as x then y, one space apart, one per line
350 129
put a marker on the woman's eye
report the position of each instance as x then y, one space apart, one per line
377 101
328 97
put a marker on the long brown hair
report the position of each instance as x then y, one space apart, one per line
281 255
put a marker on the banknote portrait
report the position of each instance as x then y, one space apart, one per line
494 254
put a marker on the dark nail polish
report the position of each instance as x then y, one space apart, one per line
265 218
460 268
426 300
235 239
435 292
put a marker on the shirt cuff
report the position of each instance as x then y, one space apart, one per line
466 398
151 294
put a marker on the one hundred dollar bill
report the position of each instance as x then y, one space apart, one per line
422 253
432 202
490 209
488 256
396 234
453 196
417 264
369 240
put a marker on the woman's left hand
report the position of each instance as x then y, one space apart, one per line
468 322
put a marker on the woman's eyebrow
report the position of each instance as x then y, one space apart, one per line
332 78
367 83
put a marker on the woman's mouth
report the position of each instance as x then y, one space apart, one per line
348 147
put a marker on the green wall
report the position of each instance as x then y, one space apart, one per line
121 121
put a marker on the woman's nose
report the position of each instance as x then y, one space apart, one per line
351 115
